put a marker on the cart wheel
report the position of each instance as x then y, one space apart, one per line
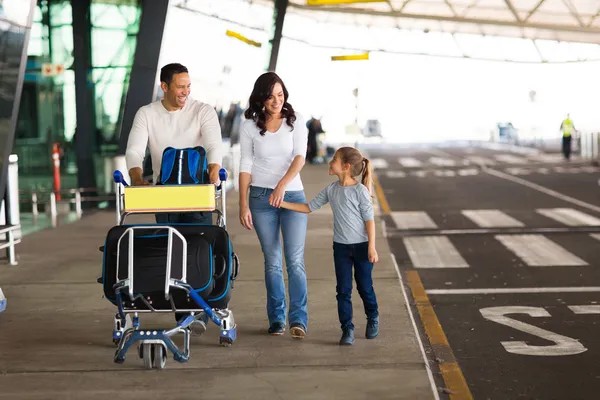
160 356
147 355
225 341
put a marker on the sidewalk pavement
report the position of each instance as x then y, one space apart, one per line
56 333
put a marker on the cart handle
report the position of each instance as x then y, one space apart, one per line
119 178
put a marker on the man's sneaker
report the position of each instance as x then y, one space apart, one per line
277 328
347 337
298 331
372 328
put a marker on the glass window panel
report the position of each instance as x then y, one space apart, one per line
110 47
60 13
62 45
69 109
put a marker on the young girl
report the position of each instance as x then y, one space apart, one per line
353 236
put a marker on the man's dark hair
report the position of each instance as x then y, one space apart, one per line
167 72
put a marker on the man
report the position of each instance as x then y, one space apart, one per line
567 127
175 121
179 122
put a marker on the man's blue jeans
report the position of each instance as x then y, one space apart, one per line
204 218
269 222
344 256
185 218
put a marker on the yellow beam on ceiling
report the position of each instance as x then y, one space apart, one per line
243 38
352 57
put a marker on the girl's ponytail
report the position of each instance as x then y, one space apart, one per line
359 165
367 175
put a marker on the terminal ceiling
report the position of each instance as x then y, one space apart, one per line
530 31
562 20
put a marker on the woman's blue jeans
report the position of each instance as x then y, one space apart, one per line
269 222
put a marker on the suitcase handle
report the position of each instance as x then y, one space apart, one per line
236 267
219 274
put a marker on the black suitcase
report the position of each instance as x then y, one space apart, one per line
209 266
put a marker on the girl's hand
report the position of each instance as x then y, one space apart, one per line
277 196
246 218
373 256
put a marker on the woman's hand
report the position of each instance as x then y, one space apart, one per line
277 196
246 218
373 256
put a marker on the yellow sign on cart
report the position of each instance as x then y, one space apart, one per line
175 198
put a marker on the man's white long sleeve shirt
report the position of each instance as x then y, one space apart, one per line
196 124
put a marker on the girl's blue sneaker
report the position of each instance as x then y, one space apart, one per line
347 337
372 328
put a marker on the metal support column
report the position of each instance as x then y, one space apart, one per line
85 131
142 84
278 18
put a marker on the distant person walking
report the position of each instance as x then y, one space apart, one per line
567 128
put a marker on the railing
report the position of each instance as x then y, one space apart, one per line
48 197
590 146
10 227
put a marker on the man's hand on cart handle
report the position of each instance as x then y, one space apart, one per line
136 177
140 183
213 173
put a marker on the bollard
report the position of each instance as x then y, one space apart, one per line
34 205
53 211
78 203
56 169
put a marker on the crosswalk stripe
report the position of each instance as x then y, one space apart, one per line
433 252
481 160
409 162
379 163
569 216
444 172
595 236
442 162
547 158
491 218
518 171
395 174
511 159
468 172
413 220
539 251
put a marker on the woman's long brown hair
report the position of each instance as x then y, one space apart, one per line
263 88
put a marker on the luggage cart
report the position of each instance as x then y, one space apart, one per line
120 277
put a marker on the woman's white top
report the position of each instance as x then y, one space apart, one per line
267 158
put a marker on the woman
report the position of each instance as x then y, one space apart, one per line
273 146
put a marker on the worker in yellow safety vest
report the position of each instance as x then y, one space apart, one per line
567 128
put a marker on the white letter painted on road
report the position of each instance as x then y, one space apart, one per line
563 345
589 309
